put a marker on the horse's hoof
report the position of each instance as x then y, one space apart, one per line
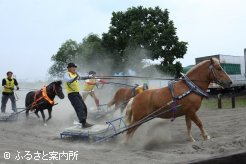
45 124
192 140
207 137
124 142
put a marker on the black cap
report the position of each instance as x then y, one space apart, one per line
71 65
9 72
91 72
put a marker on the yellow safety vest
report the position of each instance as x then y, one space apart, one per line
139 89
88 87
74 86
9 84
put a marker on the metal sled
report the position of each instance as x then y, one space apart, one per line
8 116
96 132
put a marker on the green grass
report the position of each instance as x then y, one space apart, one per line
212 103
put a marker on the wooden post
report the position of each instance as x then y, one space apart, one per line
233 105
219 101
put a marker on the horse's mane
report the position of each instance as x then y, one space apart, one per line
58 82
215 60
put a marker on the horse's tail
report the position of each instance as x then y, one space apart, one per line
29 99
111 102
128 112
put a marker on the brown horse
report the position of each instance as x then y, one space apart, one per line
187 92
123 95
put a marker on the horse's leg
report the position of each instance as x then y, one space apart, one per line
129 134
43 116
198 122
188 124
27 113
131 131
122 109
49 112
116 106
36 113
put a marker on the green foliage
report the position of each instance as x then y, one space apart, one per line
142 28
67 52
137 34
89 54
92 55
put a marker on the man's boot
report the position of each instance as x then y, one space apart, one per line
85 124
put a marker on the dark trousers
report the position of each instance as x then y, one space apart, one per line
5 98
78 105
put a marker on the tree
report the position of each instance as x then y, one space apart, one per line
144 29
67 53
92 55
88 55
137 34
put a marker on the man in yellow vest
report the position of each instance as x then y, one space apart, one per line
71 79
139 89
88 87
8 92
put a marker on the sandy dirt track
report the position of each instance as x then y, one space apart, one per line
158 141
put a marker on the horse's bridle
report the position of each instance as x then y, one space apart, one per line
54 89
215 74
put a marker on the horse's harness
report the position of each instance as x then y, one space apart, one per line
192 88
44 96
212 69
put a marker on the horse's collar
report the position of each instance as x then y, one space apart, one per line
193 87
46 97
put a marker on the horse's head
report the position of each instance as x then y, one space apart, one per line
218 75
57 89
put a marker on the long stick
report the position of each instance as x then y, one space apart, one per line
114 83
138 77
126 77
24 109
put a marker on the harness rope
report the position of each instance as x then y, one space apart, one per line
147 118
44 96
29 107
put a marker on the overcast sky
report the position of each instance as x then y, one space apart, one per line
31 31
